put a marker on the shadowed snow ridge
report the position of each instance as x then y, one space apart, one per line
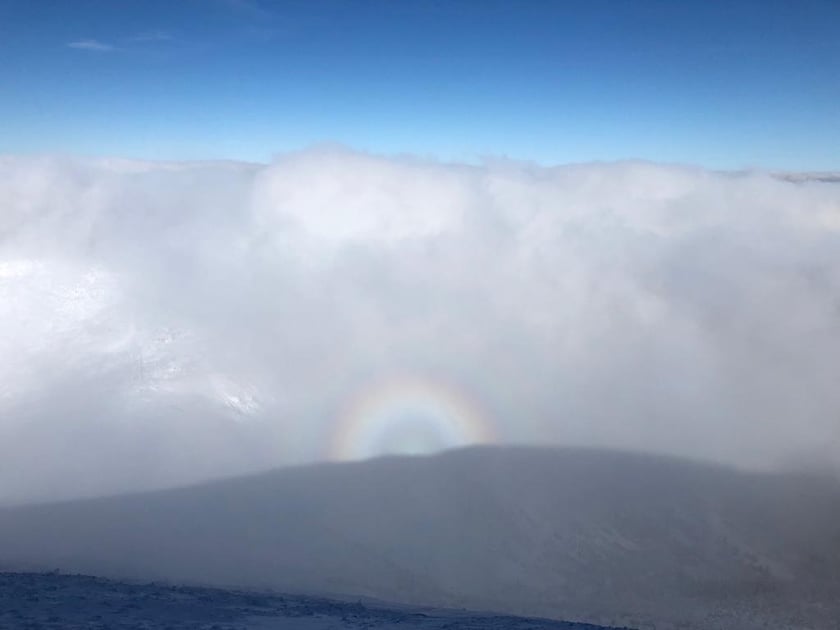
76 601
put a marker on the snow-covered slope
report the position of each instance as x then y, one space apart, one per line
70 602
594 536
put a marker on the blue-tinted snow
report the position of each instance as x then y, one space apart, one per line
52 601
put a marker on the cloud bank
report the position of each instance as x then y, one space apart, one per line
162 323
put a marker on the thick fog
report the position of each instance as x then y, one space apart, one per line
162 323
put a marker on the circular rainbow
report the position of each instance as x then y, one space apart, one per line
408 416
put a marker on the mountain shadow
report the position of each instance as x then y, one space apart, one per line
584 535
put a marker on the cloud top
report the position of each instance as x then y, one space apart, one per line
166 322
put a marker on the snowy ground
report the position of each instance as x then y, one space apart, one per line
39 600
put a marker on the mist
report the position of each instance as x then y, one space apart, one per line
164 323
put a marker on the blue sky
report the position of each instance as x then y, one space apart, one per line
722 84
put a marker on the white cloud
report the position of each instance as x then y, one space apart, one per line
161 323
92 45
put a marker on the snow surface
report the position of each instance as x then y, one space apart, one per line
75 601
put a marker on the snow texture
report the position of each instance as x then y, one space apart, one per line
73 601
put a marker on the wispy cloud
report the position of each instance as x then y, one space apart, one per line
141 41
92 45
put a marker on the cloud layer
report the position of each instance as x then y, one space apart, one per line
167 322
